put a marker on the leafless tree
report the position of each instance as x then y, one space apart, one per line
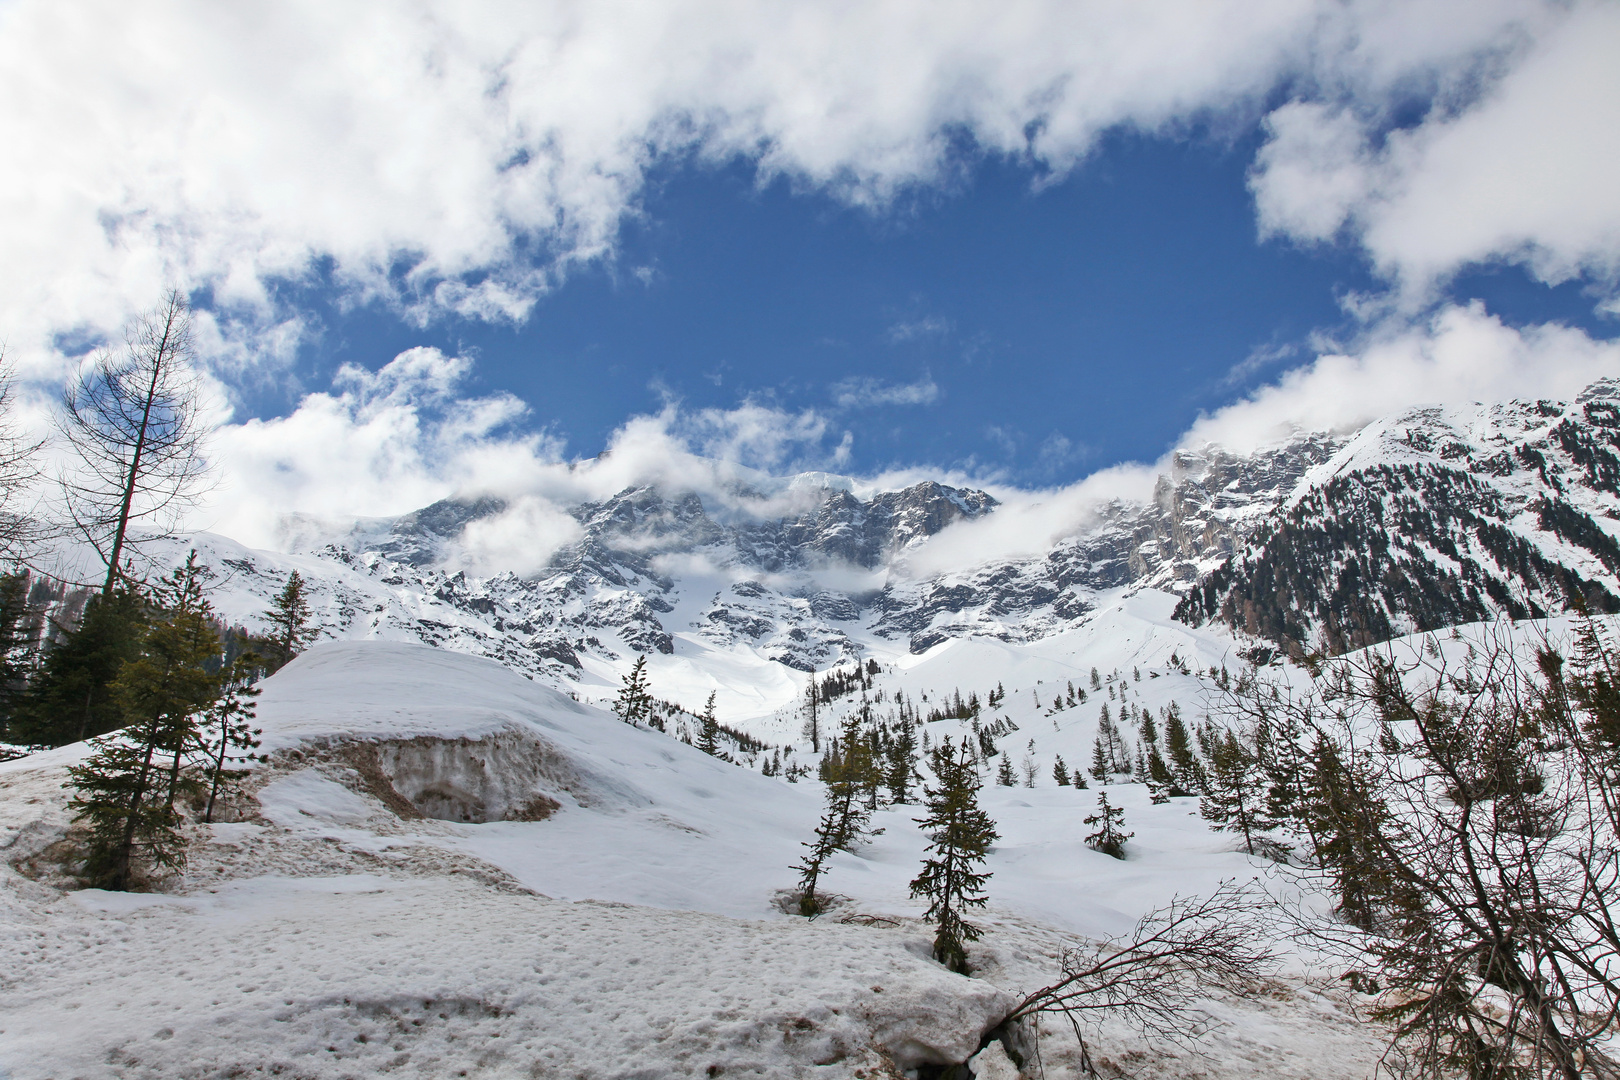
19 455
1157 977
1461 802
132 420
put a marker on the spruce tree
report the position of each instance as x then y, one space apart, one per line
18 645
289 617
1060 772
902 763
126 791
845 819
709 732
959 836
1110 836
70 697
1236 788
1004 774
1099 761
1185 767
634 705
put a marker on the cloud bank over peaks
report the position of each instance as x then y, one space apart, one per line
385 443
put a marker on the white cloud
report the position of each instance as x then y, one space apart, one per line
423 150
1524 172
865 392
1461 355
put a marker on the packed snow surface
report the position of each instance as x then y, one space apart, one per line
446 869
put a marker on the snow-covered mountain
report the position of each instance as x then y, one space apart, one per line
1322 542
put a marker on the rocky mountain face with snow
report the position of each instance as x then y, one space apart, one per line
1430 519
1322 543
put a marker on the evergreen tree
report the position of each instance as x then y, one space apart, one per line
1004 774
126 791
18 645
1079 779
1099 761
1185 767
1110 836
709 733
70 697
1060 772
634 705
902 763
227 737
959 837
843 822
289 617
1236 788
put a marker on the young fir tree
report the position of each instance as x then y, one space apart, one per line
844 821
1110 836
1079 779
902 763
1099 761
959 837
18 646
634 705
1185 768
228 738
1236 788
289 617
1004 774
70 696
1060 772
708 739
127 790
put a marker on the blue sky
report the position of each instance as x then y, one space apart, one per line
1048 330
440 247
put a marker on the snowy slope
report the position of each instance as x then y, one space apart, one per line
631 931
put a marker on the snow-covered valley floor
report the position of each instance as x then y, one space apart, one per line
632 931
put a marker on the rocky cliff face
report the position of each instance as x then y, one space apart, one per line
1425 520
1434 518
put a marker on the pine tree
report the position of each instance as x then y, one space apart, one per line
1110 836
844 821
127 790
227 737
1060 772
902 763
70 697
959 837
634 705
289 617
1079 779
18 645
1236 788
1185 767
1004 774
708 739
1099 761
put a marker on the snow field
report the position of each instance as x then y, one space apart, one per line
330 936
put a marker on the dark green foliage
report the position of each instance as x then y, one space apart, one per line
1110 835
1236 792
1060 772
959 836
127 792
70 697
634 705
1004 774
902 763
19 644
846 817
289 617
1359 554
709 729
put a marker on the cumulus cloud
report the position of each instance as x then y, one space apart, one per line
1523 172
458 158
1461 355
384 443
